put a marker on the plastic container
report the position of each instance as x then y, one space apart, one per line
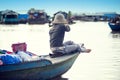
19 47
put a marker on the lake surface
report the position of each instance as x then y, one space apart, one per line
103 63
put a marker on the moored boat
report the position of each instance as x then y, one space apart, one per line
114 23
43 69
114 26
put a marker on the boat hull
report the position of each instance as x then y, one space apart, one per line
32 71
114 27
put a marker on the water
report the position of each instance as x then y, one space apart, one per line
103 63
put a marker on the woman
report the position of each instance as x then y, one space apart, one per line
57 33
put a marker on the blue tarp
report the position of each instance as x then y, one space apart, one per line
21 16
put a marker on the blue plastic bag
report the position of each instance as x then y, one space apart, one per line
10 59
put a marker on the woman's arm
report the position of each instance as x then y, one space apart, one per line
67 27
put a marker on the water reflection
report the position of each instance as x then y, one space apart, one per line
59 78
115 34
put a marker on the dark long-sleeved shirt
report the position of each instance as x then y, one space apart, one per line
57 33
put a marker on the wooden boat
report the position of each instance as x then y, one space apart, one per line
114 27
43 69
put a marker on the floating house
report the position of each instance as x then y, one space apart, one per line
103 16
64 13
37 16
0 17
9 17
111 15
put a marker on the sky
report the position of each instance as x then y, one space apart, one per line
52 6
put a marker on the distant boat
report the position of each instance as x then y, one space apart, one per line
43 69
114 26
